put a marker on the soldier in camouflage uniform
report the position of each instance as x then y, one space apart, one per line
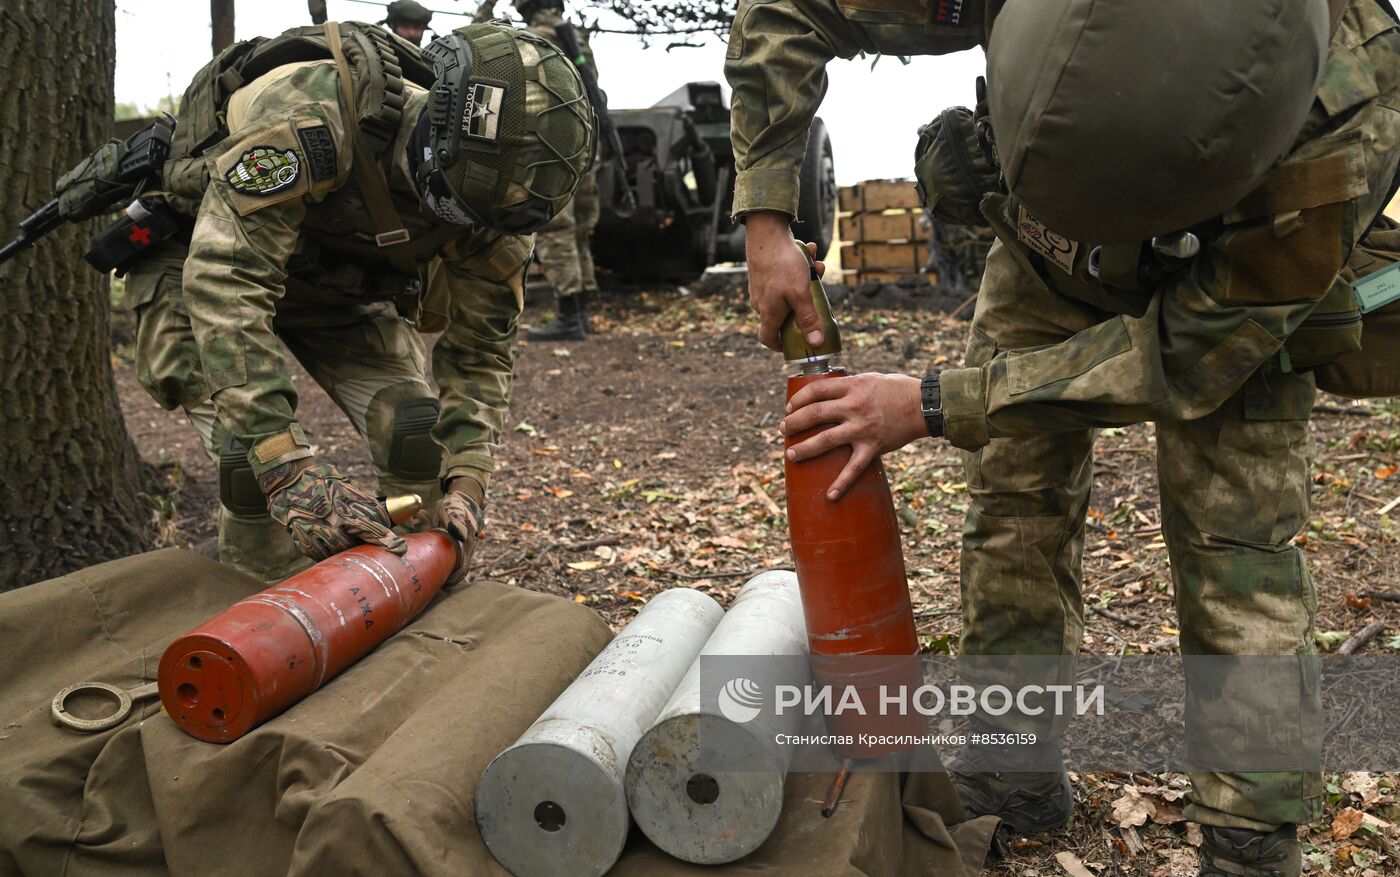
1214 352
564 247
303 237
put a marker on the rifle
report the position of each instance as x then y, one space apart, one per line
568 39
99 184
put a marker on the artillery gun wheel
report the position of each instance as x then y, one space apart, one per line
816 204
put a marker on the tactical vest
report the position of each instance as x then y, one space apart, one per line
379 64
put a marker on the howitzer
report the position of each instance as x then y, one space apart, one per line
568 40
107 179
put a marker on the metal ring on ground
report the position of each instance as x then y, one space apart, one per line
63 717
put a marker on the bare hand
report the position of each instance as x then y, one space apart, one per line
779 279
873 413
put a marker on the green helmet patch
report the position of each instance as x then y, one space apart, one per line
263 170
1117 122
511 130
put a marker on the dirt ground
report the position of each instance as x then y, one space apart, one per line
649 457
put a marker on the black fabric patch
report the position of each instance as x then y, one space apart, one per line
320 151
949 12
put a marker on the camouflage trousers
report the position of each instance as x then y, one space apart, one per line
1234 492
563 245
364 356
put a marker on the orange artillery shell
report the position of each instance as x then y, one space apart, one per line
855 596
263 654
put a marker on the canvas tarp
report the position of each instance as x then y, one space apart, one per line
374 773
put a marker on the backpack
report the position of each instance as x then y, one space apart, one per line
379 61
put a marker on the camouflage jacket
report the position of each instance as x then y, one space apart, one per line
776 66
283 226
1175 352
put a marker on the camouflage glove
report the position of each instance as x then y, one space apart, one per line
325 514
459 513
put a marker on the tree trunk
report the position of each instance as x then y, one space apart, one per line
221 21
70 479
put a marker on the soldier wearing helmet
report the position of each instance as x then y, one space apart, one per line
1175 189
342 209
564 247
409 19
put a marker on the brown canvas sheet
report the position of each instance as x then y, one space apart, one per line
373 774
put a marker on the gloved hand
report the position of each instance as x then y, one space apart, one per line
459 512
324 513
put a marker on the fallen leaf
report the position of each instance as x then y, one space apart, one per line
1169 630
528 528
1355 602
526 427
1385 472
584 565
1193 834
1329 639
559 492
617 464
1072 865
562 351
1131 808
580 598
728 542
1367 786
1347 822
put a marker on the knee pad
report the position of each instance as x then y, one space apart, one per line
413 454
238 487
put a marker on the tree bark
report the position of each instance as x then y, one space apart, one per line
70 478
221 21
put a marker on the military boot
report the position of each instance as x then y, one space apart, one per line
1027 786
586 299
568 324
1240 852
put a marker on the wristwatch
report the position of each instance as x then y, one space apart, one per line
931 405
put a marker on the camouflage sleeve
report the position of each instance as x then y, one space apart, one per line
473 360
291 151
776 66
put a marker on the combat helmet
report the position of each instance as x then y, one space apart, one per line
408 12
510 129
1117 122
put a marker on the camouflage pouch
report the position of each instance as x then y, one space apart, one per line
1372 280
956 167
325 514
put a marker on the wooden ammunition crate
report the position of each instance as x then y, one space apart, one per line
876 195
896 258
883 227
854 278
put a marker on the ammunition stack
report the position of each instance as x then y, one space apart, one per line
882 238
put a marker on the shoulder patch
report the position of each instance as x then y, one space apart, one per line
320 151
482 117
263 170
1059 249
